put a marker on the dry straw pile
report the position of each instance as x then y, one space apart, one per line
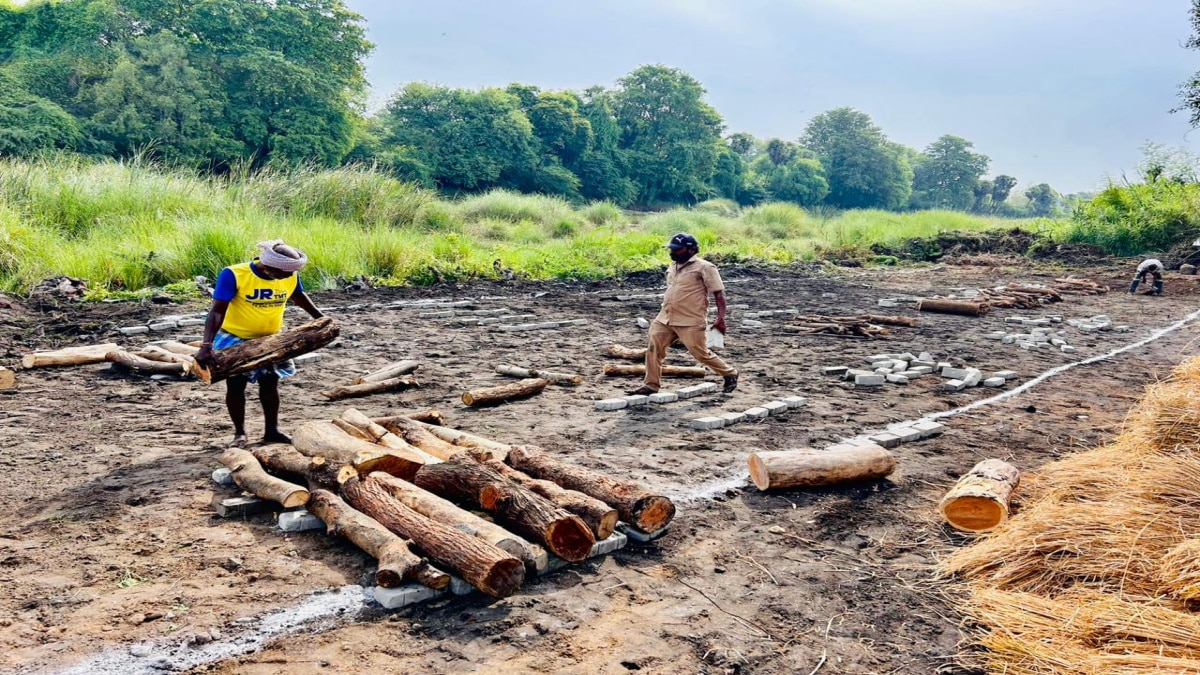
1099 573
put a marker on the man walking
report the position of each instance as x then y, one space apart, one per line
248 303
690 280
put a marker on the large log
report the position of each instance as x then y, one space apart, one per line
138 364
268 351
176 347
526 373
377 433
249 475
464 439
352 430
638 507
370 388
433 506
482 565
465 480
947 306
415 434
807 467
428 416
397 564
318 472
7 378
388 372
599 516
324 439
506 392
156 353
69 356
628 353
667 371
979 500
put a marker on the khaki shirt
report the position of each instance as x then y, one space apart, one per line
688 286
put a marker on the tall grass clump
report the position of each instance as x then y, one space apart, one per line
515 207
726 208
780 220
602 213
1135 219
355 194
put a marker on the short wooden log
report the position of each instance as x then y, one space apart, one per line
268 351
807 467
507 392
979 501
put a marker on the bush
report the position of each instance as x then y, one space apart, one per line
781 220
602 213
726 208
1135 219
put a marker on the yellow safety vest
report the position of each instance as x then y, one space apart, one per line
257 308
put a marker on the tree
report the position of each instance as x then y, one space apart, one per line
947 174
781 152
1189 92
1043 200
864 169
743 144
800 179
1002 186
30 124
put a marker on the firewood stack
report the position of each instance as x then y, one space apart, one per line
864 326
406 491
1073 286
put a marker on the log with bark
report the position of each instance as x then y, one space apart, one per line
464 439
324 439
948 306
8 378
416 435
1048 294
467 481
667 371
319 472
249 476
807 467
352 430
156 353
482 565
268 351
69 356
843 326
1071 286
638 507
388 372
176 347
138 364
906 321
565 379
377 433
599 516
979 500
397 563
428 416
507 392
627 353
370 388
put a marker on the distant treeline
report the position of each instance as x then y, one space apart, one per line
221 85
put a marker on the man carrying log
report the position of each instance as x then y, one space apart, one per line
248 303
690 280
1149 268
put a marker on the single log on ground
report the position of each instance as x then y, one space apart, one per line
482 565
369 388
640 508
628 353
979 500
506 392
156 353
397 564
555 378
176 347
377 433
415 434
464 439
667 371
138 364
324 439
388 372
433 506
249 475
7 378
946 306
69 356
268 351
465 480
906 321
599 516
807 467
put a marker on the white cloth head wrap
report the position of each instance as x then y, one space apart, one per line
269 257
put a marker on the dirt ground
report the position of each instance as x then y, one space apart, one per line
110 543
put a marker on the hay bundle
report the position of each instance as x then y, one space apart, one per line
1179 571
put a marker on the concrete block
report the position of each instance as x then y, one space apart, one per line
941 365
459 586
402 596
994 382
922 363
795 401
924 370
664 397
925 356
757 413
1121 329
995 336
436 315
973 378
571 322
707 387
611 404
311 357
732 418
1057 342
1006 374
907 357
877 358
707 423
836 371
883 371
907 434
638 537
509 318
163 326
187 323
615 542
1008 339
642 323
912 374
886 440
855 372
637 401
134 330
897 379
689 392
929 429
223 476
1014 319
871 380
887 303
1067 349
299 521
954 385
775 407
955 373
230 507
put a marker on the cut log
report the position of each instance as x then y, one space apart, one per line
324 439
599 516
640 508
352 430
467 440
467 481
138 364
69 356
176 347
628 353
980 499
415 434
1049 293
482 565
946 306
8 379
268 351
388 372
155 353
249 476
507 392
283 459
443 511
667 371
906 321
807 467
397 564
369 388
428 416
555 378
377 433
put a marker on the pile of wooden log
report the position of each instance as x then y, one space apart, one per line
1012 296
862 327
166 358
1073 286
394 484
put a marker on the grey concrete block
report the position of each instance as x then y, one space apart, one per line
973 378
942 365
911 375
877 358
1067 349
871 380
311 357
924 370
223 476
1014 319
571 322
795 401
637 401
611 404
732 418
995 336
907 434
460 586
883 371
855 372
664 397
707 387
638 537
707 423
508 318
923 363
187 323
886 440
835 371
163 326
929 429
954 385
907 357
887 303
689 392
299 521
775 407
994 382
642 323
955 373
436 315
134 330
1006 374
897 379
230 507
615 542
1008 339
925 356
402 596
757 413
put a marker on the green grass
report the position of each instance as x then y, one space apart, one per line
128 227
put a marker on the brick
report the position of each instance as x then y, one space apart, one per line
611 404
230 507
223 476
795 401
134 330
707 387
836 371
886 364
929 429
436 315
994 382
1067 349
871 380
855 372
187 323
1006 374
299 521
942 364
637 401
776 407
403 596
664 397
923 363
924 370
954 385
877 358
883 371
897 379
571 322
732 418
911 375
907 357
311 357
907 434
925 356
707 423
165 325
614 542
1008 339
638 537
1057 342
955 373
757 413
1014 319
509 318
886 440
689 392
973 378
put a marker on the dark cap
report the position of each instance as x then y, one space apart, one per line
682 240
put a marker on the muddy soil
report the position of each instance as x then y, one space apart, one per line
109 543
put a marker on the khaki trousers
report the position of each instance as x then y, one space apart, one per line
692 337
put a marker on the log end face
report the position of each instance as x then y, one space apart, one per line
653 514
388 579
758 472
297 498
570 539
607 525
468 399
504 579
974 514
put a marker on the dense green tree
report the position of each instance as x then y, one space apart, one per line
864 168
1043 200
603 169
781 152
30 123
947 174
743 144
797 177
1002 186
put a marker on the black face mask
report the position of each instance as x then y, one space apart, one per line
681 255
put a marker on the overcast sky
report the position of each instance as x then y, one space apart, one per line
1062 91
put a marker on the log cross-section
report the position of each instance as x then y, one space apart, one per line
599 516
249 475
268 351
979 500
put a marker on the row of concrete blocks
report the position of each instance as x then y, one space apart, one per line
1043 322
1100 322
640 401
1041 337
451 313
906 433
165 323
965 378
756 413
545 325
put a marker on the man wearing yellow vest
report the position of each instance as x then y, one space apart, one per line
248 303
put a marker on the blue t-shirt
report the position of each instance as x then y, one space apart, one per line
226 287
